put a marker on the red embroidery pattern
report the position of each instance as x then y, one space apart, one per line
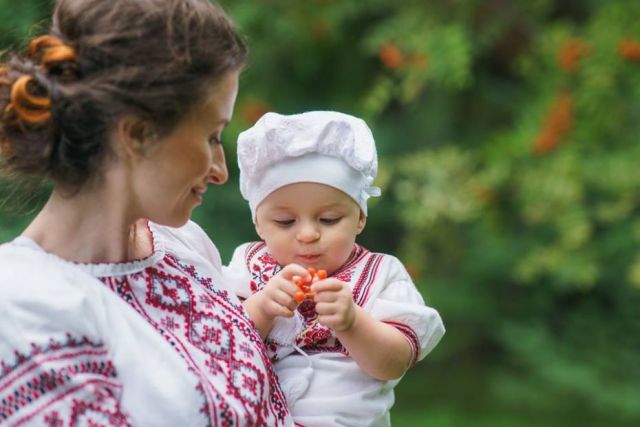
61 383
265 267
345 273
308 310
367 278
411 337
212 333
361 267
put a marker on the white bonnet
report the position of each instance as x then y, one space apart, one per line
325 147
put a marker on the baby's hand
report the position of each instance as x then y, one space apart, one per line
277 298
334 304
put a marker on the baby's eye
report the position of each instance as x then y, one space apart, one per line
284 222
330 221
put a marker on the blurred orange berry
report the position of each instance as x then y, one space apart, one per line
629 49
557 124
414 272
253 109
391 56
570 54
484 194
319 29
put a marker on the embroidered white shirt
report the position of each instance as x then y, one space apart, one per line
154 342
338 393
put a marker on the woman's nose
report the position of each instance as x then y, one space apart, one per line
218 172
308 233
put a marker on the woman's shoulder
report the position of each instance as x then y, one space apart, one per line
40 293
28 266
187 241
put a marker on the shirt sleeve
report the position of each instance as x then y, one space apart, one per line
193 237
236 275
54 370
401 305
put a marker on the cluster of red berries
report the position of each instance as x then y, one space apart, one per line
629 49
392 57
571 52
558 123
304 283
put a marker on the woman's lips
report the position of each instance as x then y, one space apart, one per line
198 194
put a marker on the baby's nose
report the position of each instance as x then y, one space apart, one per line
308 233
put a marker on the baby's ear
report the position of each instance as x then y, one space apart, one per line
257 227
362 221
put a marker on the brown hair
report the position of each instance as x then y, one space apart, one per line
103 59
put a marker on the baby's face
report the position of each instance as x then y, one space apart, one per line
310 224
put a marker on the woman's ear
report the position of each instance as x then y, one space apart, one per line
362 221
136 136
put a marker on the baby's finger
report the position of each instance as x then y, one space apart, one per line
337 322
326 296
330 320
291 270
286 286
281 310
329 284
285 312
284 299
325 308
273 309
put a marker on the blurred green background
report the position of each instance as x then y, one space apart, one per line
508 144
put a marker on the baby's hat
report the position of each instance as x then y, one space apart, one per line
324 147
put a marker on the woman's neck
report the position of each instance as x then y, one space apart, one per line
90 227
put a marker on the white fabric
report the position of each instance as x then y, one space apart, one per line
58 319
339 393
325 147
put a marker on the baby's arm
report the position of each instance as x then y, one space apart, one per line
379 349
275 299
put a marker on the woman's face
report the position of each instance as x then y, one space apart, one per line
170 180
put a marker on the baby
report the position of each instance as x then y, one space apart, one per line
341 351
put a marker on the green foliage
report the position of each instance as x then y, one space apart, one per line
508 143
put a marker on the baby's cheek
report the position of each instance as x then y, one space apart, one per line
283 254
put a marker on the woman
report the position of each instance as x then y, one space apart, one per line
109 315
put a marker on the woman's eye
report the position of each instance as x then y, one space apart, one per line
330 221
215 140
283 222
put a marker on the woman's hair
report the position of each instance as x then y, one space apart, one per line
153 59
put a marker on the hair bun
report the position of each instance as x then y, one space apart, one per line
29 101
55 56
30 98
